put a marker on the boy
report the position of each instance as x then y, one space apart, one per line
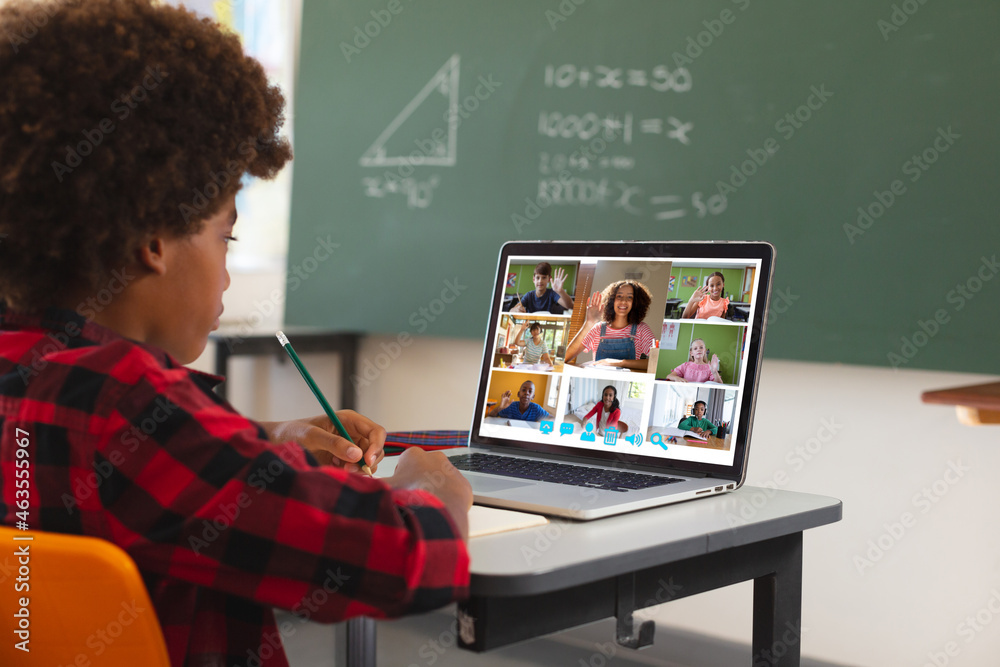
554 301
535 349
697 421
113 237
524 409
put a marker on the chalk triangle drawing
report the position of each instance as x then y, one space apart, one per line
440 153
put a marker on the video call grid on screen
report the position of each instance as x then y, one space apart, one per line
564 399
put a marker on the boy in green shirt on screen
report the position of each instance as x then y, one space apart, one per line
697 421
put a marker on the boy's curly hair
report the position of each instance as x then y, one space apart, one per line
641 299
118 119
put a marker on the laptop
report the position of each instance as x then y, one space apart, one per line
590 406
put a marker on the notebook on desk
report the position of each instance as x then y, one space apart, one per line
599 449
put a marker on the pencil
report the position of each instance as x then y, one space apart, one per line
283 339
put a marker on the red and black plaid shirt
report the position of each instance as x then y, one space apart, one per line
127 445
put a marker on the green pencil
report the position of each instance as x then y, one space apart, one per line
283 339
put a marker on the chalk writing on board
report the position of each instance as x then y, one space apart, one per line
660 78
614 194
712 205
554 163
418 193
443 148
586 126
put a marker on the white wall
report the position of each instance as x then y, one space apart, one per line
855 433
876 592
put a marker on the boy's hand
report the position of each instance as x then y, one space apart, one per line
433 472
505 399
558 278
319 436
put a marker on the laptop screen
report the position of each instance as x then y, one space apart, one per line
643 352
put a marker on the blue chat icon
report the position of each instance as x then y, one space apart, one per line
657 439
589 435
565 429
546 427
610 437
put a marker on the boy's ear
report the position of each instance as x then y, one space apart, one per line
152 255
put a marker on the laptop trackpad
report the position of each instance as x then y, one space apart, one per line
482 484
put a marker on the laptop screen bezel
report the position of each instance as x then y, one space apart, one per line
750 250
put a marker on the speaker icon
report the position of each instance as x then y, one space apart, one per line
634 439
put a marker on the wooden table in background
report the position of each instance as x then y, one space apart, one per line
976 404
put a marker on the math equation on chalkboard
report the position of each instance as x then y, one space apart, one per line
594 167
585 157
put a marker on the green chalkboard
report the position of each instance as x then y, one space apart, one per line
859 137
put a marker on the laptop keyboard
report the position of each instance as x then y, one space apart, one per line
560 473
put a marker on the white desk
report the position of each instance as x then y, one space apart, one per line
536 581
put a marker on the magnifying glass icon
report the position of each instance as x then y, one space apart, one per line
657 439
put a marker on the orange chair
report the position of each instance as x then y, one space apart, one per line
86 604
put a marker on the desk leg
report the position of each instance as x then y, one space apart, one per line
777 607
774 565
222 366
355 643
348 369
